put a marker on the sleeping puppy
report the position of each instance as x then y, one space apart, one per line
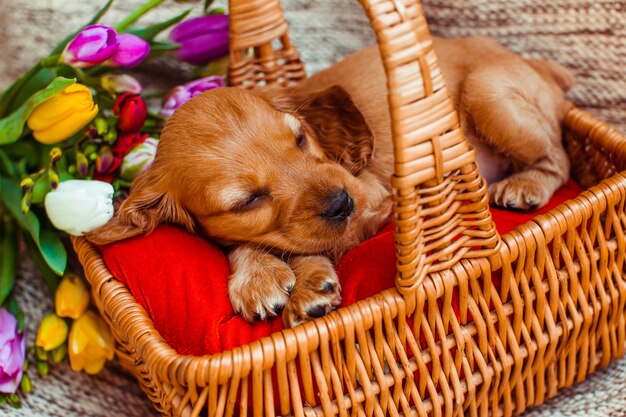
288 179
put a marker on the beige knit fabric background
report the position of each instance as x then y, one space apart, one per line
587 36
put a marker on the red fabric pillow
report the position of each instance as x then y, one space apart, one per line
181 280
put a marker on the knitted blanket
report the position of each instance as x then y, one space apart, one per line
587 36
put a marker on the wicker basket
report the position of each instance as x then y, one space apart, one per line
558 314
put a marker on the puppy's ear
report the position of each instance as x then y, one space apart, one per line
336 122
554 72
145 208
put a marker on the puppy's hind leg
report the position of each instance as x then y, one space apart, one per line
523 125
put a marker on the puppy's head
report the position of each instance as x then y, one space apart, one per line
278 168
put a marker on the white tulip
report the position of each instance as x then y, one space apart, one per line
79 206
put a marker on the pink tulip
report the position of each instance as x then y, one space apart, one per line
91 46
183 93
131 51
12 353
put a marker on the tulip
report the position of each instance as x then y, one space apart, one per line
120 83
105 161
201 39
79 206
90 343
183 93
138 159
92 46
131 51
71 298
12 353
62 115
131 111
52 332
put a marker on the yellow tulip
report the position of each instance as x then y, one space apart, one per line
90 343
62 115
71 298
52 332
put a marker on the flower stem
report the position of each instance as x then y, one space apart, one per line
136 14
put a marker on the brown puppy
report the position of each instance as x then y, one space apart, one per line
288 177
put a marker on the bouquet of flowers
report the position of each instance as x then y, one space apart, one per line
74 133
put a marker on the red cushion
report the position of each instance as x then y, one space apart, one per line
181 280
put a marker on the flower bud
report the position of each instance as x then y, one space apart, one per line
101 126
27 183
110 136
91 46
53 178
43 368
25 384
79 206
41 354
26 201
105 159
58 354
90 343
138 159
201 39
131 51
82 165
71 298
120 83
55 154
52 332
131 111
62 115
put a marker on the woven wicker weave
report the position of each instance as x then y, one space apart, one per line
558 314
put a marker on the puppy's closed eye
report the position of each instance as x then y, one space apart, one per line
253 200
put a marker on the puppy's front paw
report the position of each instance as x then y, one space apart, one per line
518 193
317 290
260 283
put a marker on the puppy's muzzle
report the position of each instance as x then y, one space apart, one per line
338 206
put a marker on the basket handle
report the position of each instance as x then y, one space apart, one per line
441 207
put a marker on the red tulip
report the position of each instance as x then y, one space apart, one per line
131 111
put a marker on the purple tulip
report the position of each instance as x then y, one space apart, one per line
183 93
91 46
201 39
12 353
131 51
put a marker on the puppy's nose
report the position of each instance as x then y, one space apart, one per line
338 206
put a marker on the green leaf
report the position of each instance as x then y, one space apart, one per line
133 16
49 277
6 166
160 48
61 45
8 258
51 249
11 127
207 5
7 96
37 82
148 33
